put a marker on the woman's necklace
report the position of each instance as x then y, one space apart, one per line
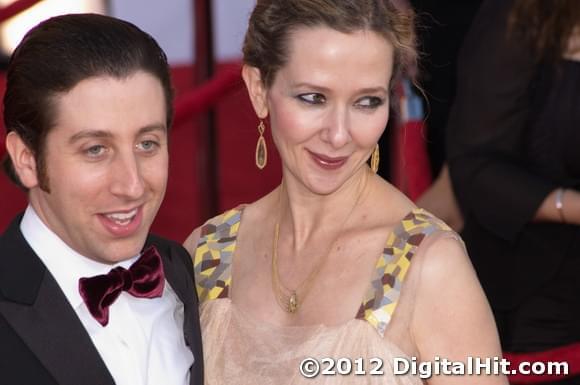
290 299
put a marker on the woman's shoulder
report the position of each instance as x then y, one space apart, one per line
451 316
214 227
411 231
436 245
412 226
439 251
391 207
227 223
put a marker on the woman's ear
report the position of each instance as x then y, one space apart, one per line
23 160
256 90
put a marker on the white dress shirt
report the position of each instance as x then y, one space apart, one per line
143 342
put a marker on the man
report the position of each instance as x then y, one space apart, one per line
86 295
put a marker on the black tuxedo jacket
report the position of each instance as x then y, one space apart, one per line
43 342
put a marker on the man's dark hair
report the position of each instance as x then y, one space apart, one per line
55 56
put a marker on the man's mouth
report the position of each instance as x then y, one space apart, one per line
122 218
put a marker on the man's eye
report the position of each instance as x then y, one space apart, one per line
312 98
370 102
95 151
148 145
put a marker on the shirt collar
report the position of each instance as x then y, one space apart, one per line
65 264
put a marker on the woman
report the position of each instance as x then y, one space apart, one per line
513 155
334 262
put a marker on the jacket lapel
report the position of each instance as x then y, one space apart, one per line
40 314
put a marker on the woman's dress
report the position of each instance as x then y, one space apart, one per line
241 350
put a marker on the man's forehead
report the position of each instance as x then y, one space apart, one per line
112 133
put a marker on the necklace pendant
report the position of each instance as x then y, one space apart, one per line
293 303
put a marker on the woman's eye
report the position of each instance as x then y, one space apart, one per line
370 102
313 98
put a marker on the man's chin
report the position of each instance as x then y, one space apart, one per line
119 251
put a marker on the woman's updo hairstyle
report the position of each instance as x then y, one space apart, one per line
272 21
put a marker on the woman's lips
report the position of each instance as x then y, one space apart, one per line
326 162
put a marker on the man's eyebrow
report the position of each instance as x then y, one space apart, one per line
108 134
153 127
89 134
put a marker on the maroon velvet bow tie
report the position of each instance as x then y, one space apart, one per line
144 279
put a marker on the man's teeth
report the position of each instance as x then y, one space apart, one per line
122 218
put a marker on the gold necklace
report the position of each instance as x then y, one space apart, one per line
287 298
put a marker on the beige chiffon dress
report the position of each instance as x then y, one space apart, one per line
240 350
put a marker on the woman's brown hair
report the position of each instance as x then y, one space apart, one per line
547 25
272 21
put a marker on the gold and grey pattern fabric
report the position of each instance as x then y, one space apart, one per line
213 261
383 295
213 256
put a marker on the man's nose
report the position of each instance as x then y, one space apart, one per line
127 178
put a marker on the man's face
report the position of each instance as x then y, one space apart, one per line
106 162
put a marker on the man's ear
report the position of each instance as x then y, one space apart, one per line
256 90
23 160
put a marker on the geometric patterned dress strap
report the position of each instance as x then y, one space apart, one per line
391 269
213 255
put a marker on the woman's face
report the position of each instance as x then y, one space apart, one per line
328 105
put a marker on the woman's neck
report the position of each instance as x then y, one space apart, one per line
304 213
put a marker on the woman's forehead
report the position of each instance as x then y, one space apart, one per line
321 54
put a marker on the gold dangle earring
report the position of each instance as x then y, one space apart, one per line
261 149
375 159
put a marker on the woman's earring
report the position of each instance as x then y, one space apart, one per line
261 149
375 159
